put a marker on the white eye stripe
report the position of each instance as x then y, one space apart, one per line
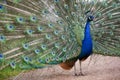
89 18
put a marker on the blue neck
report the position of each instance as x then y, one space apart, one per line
87 31
86 49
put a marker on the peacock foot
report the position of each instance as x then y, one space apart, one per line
76 74
81 74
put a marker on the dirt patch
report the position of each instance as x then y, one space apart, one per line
100 68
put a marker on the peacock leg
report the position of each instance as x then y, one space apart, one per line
81 73
75 71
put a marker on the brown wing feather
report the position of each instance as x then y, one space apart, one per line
67 65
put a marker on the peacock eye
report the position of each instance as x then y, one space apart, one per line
90 18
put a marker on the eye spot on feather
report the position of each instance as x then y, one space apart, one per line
43 46
56 32
53 53
57 58
64 49
25 58
63 37
45 12
47 60
67 56
66 6
13 65
2 38
25 46
114 5
33 18
1 56
73 14
40 28
29 32
20 19
50 25
57 13
37 51
1 7
67 17
60 22
48 36
10 27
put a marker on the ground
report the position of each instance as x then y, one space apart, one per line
97 67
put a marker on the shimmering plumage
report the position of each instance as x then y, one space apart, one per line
87 44
41 33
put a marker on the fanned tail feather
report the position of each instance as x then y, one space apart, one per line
106 29
31 34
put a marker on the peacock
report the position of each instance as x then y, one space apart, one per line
36 34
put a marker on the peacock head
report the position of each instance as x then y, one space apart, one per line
89 15
90 18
